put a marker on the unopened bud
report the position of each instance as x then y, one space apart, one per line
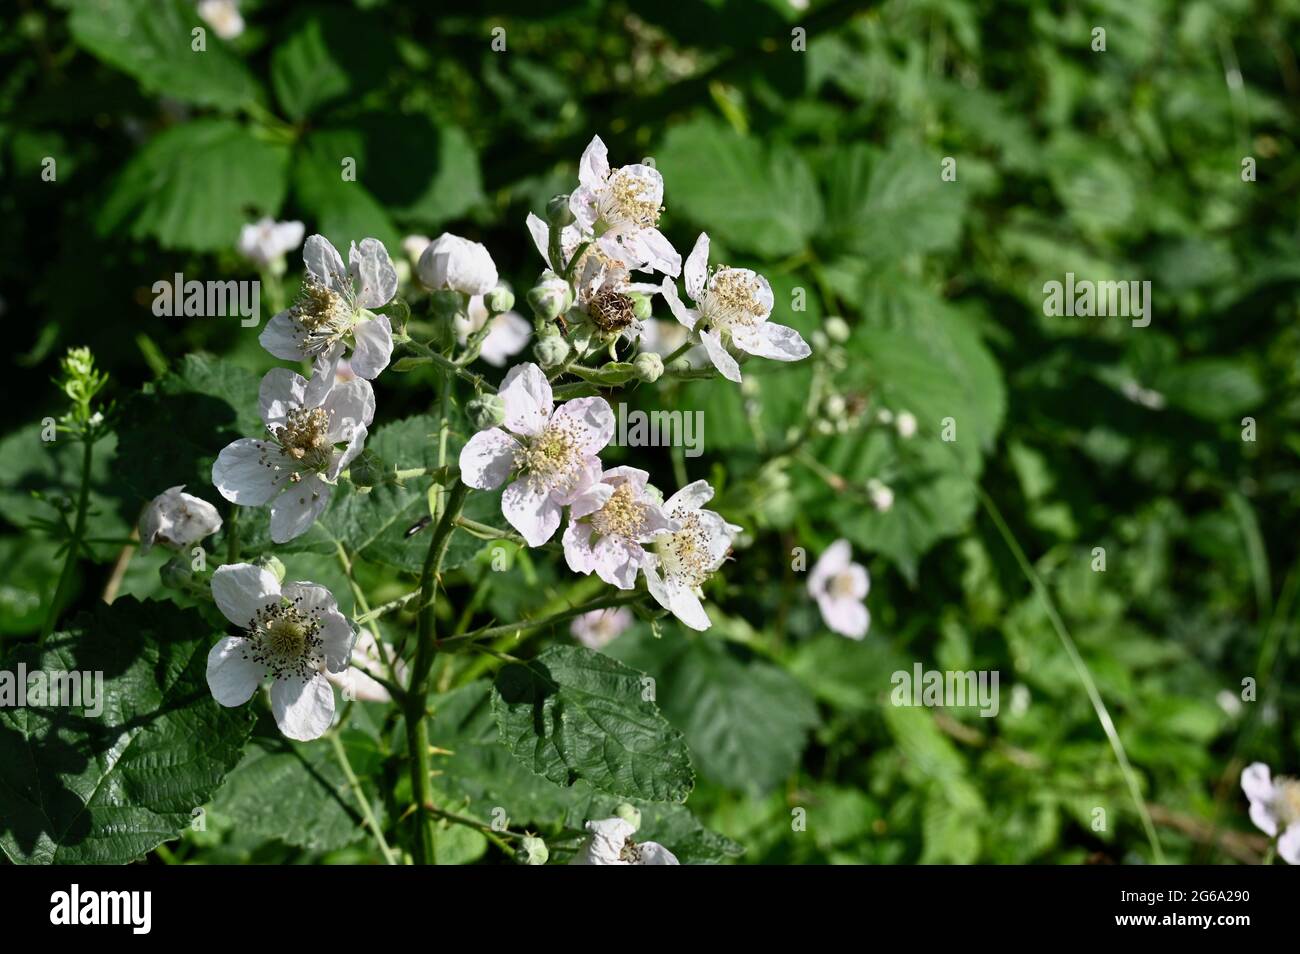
837 329
630 814
550 297
551 351
486 410
558 213
648 367
882 498
642 309
274 565
532 851
500 299
906 424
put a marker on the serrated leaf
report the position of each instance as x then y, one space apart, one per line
332 56
79 788
573 713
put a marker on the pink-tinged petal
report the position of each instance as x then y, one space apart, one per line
295 510
303 708
588 476
691 497
577 546
836 558
589 419
723 361
847 617
541 233
635 476
526 394
658 253
280 391
584 205
1288 846
232 676
859 581
616 562
1257 782
593 168
688 317
250 472
1261 813
373 349
370 265
534 513
658 521
768 340
358 685
324 374
324 264
349 405
653 853
686 606
487 459
697 267
591 499
241 589
283 337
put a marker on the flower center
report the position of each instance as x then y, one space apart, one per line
1286 800
630 852
286 639
611 311
324 314
685 554
622 516
303 438
625 199
841 586
552 459
732 299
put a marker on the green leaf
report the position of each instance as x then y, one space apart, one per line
1213 389
572 713
152 41
86 788
331 56
753 199
746 720
195 185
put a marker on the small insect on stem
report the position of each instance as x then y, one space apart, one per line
419 525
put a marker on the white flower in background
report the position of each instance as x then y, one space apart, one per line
679 562
509 334
882 496
598 628
333 308
223 16
1274 808
266 242
552 453
413 246
358 681
609 522
292 634
294 468
611 844
906 424
665 337
840 586
453 262
732 308
620 208
177 520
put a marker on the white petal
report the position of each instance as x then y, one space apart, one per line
1288 846
593 168
847 617
241 589
654 582
591 499
686 316
527 397
1261 813
487 459
691 497
324 264
232 676
534 513
373 349
653 853
283 337
280 391
1257 782
685 605
724 362
350 405
295 510
590 420
616 562
697 267
769 340
250 472
541 233
370 265
577 546
304 708
508 336
836 558
341 460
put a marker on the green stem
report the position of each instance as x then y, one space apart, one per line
74 545
526 625
366 811
488 832
447 364
232 535
417 726
684 347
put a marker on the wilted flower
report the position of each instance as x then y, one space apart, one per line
680 561
508 336
458 264
840 586
266 242
611 844
177 520
596 629
1274 808
333 308
732 308
609 522
293 468
604 294
293 634
620 208
551 453
223 16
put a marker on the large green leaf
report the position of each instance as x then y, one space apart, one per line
195 185
85 788
332 55
572 713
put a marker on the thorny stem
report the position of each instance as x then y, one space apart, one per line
447 364
527 625
74 545
367 812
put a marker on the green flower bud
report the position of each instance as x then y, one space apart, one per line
532 851
551 351
641 306
834 406
446 303
630 814
648 367
558 213
274 565
176 573
550 297
486 410
500 299
837 329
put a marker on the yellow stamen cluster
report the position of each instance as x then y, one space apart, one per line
304 437
732 298
322 311
685 554
286 639
841 585
625 200
622 516
552 460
